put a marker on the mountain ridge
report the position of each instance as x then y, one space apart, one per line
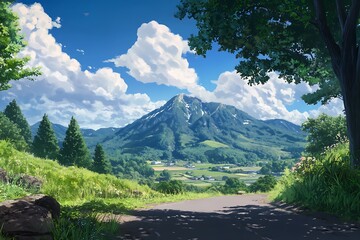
189 129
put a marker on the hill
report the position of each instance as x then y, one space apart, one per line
92 137
187 128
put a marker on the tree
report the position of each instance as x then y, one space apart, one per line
11 43
263 184
74 150
45 144
11 133
233 185
313 41
13 112
165 175
324 131
101 164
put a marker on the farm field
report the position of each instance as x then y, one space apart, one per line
200 174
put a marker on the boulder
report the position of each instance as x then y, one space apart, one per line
29 182
29 217
3 176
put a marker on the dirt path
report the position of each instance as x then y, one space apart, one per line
233 217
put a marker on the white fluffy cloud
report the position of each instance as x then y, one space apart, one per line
157 57
267 101
96 99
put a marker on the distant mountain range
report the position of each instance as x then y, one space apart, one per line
187 128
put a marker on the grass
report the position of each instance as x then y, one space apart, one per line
214 144
327 184
83 195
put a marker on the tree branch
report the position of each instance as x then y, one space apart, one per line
341 13
326 35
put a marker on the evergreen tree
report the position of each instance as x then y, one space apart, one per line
74 150
45 144
101 164
13 112
11 133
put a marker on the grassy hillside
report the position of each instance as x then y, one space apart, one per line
85 196
68 183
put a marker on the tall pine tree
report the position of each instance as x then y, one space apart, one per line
74 150
13 112
101 164
11 133
45 144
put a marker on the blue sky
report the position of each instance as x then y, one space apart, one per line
109 62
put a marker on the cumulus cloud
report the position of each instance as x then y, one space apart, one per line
96 99
267 101
157 57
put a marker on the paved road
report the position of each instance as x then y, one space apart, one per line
234 217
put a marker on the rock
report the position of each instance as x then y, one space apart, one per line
29 217
3 176
46 202
29 182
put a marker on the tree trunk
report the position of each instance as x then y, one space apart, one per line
350 88
352 111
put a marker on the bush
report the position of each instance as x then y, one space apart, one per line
263 184
233 186
170 187
327 184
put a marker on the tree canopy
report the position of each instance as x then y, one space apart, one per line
324 131
11 133
13 112
313 41
45 144
12 67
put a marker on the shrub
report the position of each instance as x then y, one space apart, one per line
263 184
170 187
327 184
233 186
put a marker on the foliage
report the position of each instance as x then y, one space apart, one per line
11 43
101 164
324 132
312 41
89 226
275 166
131 167
11 191
67 183
45 144
170 187
327 184
13 112
233 186
165 175
263 184
11 133
74 151
262 33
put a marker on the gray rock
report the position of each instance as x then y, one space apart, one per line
3 176
29 218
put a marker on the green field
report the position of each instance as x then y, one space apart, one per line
179 172
214 144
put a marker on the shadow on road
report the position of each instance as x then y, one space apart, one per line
239 222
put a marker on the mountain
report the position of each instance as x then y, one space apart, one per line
92 137
187 128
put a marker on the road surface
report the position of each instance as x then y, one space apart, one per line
233 217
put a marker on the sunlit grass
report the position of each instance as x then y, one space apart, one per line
326 184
